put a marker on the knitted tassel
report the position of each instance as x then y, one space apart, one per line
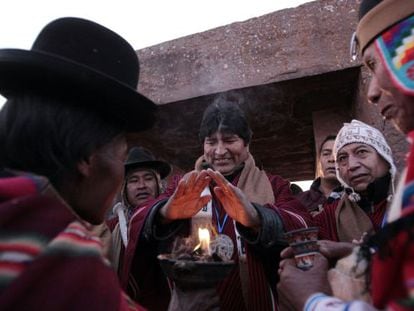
352 195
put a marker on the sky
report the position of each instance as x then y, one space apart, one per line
141 23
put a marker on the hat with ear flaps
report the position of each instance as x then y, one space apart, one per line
389 25
86 62
359 132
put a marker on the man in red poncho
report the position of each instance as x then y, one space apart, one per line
248 209
144 177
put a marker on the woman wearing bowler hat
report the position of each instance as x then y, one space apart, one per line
70 101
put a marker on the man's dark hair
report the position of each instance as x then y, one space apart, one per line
49 136
366 6
327 138
226 117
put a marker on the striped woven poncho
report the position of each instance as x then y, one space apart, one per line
48 258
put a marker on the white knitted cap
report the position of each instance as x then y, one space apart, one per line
359 132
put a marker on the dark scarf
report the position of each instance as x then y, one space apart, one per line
377 191
351 218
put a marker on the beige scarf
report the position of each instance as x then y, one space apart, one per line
351 221
256 186
253 182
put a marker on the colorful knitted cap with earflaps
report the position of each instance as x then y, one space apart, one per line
376 16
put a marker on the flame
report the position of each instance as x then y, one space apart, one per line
204 238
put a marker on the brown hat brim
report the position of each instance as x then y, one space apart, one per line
163 168
38 72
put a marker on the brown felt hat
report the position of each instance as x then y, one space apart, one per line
82 60
139 157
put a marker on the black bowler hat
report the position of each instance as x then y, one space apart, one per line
139 157
82 60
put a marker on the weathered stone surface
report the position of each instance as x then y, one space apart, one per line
287 44
280 115
291 70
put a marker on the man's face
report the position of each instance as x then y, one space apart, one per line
141 185
224 152
392 103
359 165
103 175
327 161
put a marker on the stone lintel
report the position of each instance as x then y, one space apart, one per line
308 40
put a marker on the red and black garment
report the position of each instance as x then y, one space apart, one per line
48 258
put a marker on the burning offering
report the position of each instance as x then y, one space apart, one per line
194 264
204 238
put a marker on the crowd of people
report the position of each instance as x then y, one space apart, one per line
84 215
384 42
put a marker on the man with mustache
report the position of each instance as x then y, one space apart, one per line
366 169
143 178
143 182
247 209
326 188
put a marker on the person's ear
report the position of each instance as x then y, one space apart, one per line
85 166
